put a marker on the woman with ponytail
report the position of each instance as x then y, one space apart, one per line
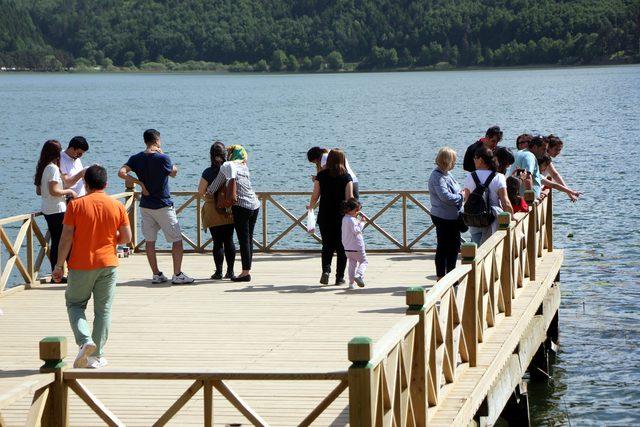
218 221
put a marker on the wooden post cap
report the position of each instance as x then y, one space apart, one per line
529 196
504 219
468 252
415 297
360 349
53 350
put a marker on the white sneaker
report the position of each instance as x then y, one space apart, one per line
159 278
97 362
83 355
181 278
352 286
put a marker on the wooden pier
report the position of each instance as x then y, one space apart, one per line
283 350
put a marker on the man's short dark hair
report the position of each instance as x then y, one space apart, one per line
493 131
315 153
150 136
95 177
79 143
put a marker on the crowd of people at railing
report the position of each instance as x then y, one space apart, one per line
496 181
86 225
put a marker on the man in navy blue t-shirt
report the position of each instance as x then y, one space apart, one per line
153 169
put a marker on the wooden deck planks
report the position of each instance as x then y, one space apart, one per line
282 320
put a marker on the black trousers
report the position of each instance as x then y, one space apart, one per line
448 244
244 221
54 224
223 246
331 233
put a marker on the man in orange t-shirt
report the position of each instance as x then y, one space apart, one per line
92 228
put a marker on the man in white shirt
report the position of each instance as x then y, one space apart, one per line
71 167
319 155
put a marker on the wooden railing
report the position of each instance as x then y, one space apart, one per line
404 375
49 404
30 237
397 380
272 202
20 250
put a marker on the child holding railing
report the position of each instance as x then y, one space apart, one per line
353 242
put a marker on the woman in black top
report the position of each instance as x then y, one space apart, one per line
332 186
219 223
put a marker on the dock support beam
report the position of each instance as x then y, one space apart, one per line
516 412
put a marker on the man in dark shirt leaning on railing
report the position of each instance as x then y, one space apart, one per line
491 139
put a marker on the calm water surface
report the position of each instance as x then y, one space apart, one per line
391 126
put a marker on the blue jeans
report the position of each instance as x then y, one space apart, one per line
479 234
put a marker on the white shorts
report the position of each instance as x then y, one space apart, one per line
165 219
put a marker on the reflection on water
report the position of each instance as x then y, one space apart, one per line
391 126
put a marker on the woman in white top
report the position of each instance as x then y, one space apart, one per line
496 192
48 182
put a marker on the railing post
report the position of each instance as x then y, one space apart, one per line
264 222
361 396
133 219
549 221
506 272
470 314
532 250
30 261
53 350
404 222
199 224
415 303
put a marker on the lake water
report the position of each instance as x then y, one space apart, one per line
391 125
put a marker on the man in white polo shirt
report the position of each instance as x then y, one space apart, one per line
319 155
71 167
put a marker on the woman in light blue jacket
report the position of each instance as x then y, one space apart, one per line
446 202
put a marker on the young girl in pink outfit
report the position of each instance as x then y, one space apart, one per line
353 242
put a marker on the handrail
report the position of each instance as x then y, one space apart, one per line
264 242
424 352
391 339
25 388
203 374
30 235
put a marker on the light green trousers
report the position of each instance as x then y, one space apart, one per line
81 284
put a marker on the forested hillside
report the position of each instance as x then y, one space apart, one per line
311 34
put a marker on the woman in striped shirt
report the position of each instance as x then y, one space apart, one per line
246 207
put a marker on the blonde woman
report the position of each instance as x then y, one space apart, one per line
446 202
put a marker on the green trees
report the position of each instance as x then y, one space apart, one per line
335 61
377 34
278 60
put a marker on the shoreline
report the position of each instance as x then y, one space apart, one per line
223 71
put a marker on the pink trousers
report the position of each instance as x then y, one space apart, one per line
357 264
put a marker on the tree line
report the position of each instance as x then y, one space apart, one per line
312 35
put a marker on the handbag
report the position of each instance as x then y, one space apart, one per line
227 196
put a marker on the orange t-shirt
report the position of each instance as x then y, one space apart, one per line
95 217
